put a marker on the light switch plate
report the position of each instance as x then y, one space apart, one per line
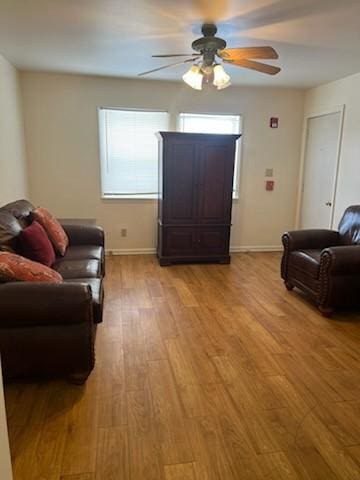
269 172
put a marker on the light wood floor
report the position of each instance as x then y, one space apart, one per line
204 372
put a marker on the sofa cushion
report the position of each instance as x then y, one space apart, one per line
97 292
86 268
10 229
16 268
35 244
55 232
83 252
308 261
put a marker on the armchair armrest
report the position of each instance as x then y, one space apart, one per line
84 234
25 304
310 239
342 259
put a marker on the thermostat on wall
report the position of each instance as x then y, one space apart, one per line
274 122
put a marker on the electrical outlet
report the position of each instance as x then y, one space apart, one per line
124 232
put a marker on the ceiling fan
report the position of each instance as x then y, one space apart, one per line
211 52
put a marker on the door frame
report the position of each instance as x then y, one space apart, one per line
307 117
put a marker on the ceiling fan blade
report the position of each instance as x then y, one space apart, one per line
211 10
259 67
176 55
167 66
248 52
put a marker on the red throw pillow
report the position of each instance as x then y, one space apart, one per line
35 244
14 267
55 232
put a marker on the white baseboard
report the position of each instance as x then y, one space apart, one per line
256 248
130 251
152 251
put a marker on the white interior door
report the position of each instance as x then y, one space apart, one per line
320 170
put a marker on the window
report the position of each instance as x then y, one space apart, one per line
206 123
129 152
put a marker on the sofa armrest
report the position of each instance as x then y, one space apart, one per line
84 234
38 303
343 259
310 239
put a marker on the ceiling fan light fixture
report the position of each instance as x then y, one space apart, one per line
221 78
194 77
207 70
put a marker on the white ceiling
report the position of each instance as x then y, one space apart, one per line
317 40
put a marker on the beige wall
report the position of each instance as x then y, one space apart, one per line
13 180
61 128
343 92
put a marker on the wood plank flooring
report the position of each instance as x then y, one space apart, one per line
203 372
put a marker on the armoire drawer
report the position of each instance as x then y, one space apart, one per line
200 241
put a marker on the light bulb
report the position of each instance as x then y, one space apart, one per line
194 77
221 78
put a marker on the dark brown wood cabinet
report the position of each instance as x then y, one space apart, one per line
195 182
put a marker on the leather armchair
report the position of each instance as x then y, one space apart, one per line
325 264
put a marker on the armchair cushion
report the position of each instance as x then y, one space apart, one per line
349 226
308 261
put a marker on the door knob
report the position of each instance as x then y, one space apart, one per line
328 204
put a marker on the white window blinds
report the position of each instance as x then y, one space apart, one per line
208 123
129 152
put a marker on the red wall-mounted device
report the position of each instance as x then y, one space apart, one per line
269 185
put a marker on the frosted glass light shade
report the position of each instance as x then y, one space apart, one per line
221 78
194 77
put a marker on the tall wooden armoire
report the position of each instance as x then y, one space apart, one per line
195 183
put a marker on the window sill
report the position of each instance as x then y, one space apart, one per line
129 197
235 198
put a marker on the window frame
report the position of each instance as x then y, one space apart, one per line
238 159
102 154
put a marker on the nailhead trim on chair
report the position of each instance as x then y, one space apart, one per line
325 264
285 259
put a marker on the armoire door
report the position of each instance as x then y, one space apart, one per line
213 240
180 183
216 172
180 241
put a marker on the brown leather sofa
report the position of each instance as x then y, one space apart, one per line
325 264
49 329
